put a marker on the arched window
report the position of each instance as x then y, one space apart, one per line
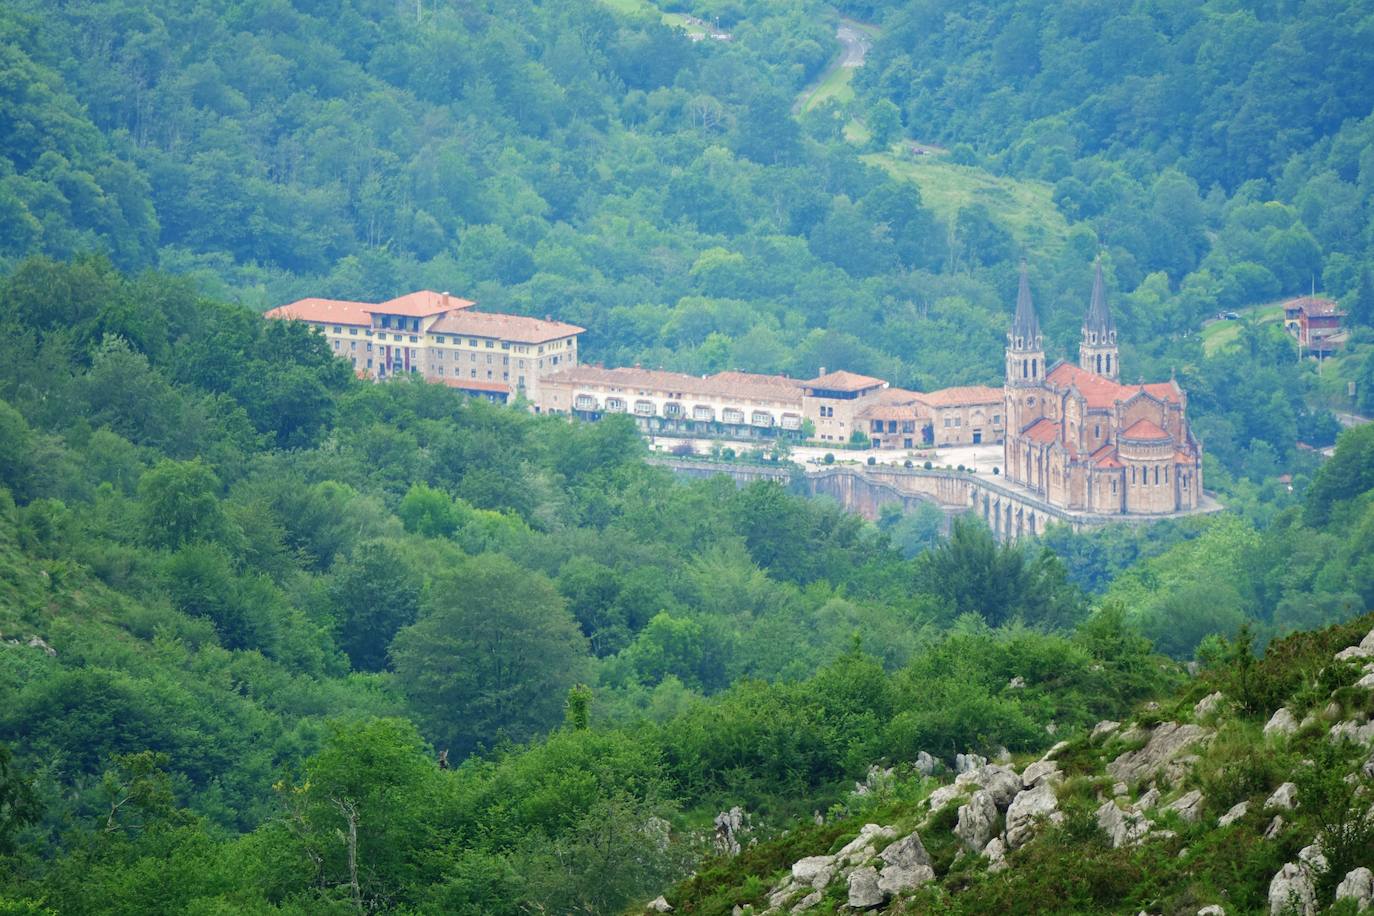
1035 370
1133 474
1156 475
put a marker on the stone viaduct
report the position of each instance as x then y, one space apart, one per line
1009 510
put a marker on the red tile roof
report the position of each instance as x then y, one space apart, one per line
845 381
1144 430
1043 430
503 327
1314 305
1103 392
966 394
882 411
787 387
1105 457
323 311
421 304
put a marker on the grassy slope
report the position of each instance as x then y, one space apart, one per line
1220 334
1026 207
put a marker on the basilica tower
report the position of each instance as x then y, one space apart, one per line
1025 346
1097 351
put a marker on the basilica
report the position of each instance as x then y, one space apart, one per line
1080 439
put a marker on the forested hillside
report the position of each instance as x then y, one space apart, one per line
276 639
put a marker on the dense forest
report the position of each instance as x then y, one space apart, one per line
274 639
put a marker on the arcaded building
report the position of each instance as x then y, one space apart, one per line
1079 438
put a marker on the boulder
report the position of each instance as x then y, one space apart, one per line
659 904
1357 885
1102 729
808 902
1352 654
861 848
1188 806
944 795
906 865
1368 768
925 764
1149 800
1167 741
1058 748
863 888
1291 891
1208 705
1002 783
1285 796
1281 723
782 893
730 825
37 642
1215 909
963 763
1236 813
977 819
1352 730
814 870
1367 643
1275 826
1027 810
1016 683
1040 771
996 851
1366 682
1312 858
1122 826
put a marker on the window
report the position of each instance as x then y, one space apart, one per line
337 329
472 341
396 337
352 345
490 344
997 419
369 346
414 339
505 345
353 331
369 363
522 363
438 339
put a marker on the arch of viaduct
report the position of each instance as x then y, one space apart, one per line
1009 511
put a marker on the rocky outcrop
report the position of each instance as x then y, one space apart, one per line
977 821
1000 782
925 764
1352 730
1040 771
1188 806
1292 891
964 763
996 852
906 865
1357 885
1281 724
1208 705
1028 810
1122 826
1167 742
1102 729
1284 797
864 893
730 827
659 904
1236 813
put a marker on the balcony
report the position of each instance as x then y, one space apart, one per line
703 413
760 418
584 402
644 408
615 405
673 410
731 415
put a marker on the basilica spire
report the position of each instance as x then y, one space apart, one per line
1025 349
1097 350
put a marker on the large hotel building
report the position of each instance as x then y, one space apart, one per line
444 339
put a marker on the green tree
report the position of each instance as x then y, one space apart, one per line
374 594
492 656
178 503
19 806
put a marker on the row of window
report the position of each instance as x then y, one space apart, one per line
457 341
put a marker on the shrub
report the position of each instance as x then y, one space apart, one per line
907 463
829 458
928 465
872 460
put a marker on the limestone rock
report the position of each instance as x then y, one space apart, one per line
1236 813
730 825
659 904
1368 768
1366 682
814 870
1016 683
1285 796
36 642
1358 885
1352 730
1119 789
1040 771
996 851
1122 827
782 893
906 865
1291 891
1149 800
864 893
1167 741
925 764
1352 654
1275 826
1208 705
1103 729
1281 723
944 795
861 848
1332 712
1058 748
808 902
1367 643
1002 783
1027 810
1133 734
1312 858
963 763
976 821
1188 806
1213 910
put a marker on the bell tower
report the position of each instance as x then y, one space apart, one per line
1097 351
1025 346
